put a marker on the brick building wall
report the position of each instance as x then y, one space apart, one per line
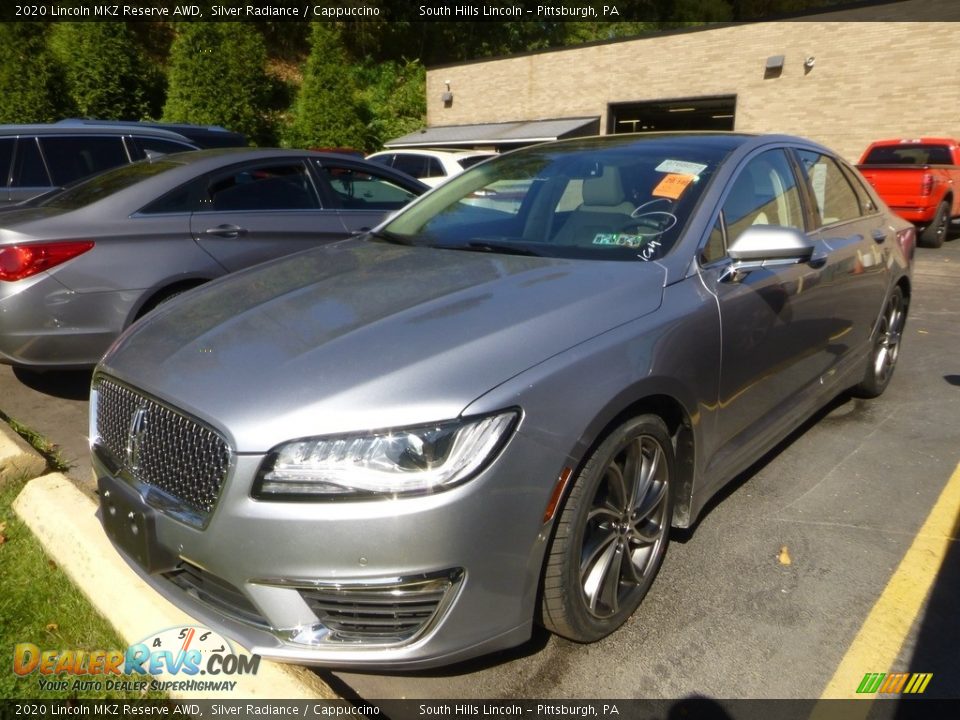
870 80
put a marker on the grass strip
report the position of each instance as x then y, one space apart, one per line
39 605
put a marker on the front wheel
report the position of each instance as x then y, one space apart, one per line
612 534
886 347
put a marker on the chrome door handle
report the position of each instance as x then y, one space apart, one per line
227 231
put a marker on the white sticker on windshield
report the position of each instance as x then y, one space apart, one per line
681 166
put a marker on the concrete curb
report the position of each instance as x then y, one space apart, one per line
63 520
17 459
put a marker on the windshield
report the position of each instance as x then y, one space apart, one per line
100 186
609 199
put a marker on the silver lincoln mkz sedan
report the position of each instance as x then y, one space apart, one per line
404 449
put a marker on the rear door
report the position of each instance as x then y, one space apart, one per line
261 210
858 241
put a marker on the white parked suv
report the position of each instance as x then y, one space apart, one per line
431 166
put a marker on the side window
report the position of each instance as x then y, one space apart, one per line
764 193
269 187
413 165
160 146
867 205
180 200
6 155
434 168
355 189
28 167
835 197
382 160
73 158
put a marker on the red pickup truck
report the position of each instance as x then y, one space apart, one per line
920 180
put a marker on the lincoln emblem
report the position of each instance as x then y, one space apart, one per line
138 425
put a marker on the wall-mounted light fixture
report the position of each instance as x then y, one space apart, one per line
774 66
808 63
447 97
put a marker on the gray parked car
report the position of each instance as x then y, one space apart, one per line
35 159
79 266
403 450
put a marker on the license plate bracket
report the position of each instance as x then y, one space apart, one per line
131 525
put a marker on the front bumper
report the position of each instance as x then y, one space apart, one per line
400 583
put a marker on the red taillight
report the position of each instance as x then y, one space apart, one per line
927 186
907 240
21 261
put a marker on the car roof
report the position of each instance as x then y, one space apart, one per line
117 129
187 164
202 135
436 152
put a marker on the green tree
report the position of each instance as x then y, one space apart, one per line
328 111
37 95
105 72
394 95
217 75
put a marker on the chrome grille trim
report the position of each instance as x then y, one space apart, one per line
216 593
157 447
374 613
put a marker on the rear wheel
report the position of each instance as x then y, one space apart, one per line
936 232
612 534
886 347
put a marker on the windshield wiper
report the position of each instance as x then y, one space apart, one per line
495 247
389 237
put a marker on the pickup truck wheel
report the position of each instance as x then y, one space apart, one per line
935 233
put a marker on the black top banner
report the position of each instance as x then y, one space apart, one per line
433 10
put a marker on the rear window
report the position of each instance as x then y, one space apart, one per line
909 154
100 186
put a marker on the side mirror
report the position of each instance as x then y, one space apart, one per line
771 243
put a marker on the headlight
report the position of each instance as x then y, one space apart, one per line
414 460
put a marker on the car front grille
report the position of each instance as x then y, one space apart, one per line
160 447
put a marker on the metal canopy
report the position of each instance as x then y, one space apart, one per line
507 133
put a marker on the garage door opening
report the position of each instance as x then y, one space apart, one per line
702 113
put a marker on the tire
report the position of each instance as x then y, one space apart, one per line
936 232
159 300
886 348
610 540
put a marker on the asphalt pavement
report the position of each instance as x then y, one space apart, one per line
842 499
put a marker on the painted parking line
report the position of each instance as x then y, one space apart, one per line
878 643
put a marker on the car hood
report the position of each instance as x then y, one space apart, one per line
362 335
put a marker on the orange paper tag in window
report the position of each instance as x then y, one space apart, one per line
673 185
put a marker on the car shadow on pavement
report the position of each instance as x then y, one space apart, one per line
66 384
844 401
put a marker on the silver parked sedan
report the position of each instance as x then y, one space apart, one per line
79 266
402 450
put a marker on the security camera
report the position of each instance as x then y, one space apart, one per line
809 62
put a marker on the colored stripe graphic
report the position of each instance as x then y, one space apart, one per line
918 683
871 682
892 683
